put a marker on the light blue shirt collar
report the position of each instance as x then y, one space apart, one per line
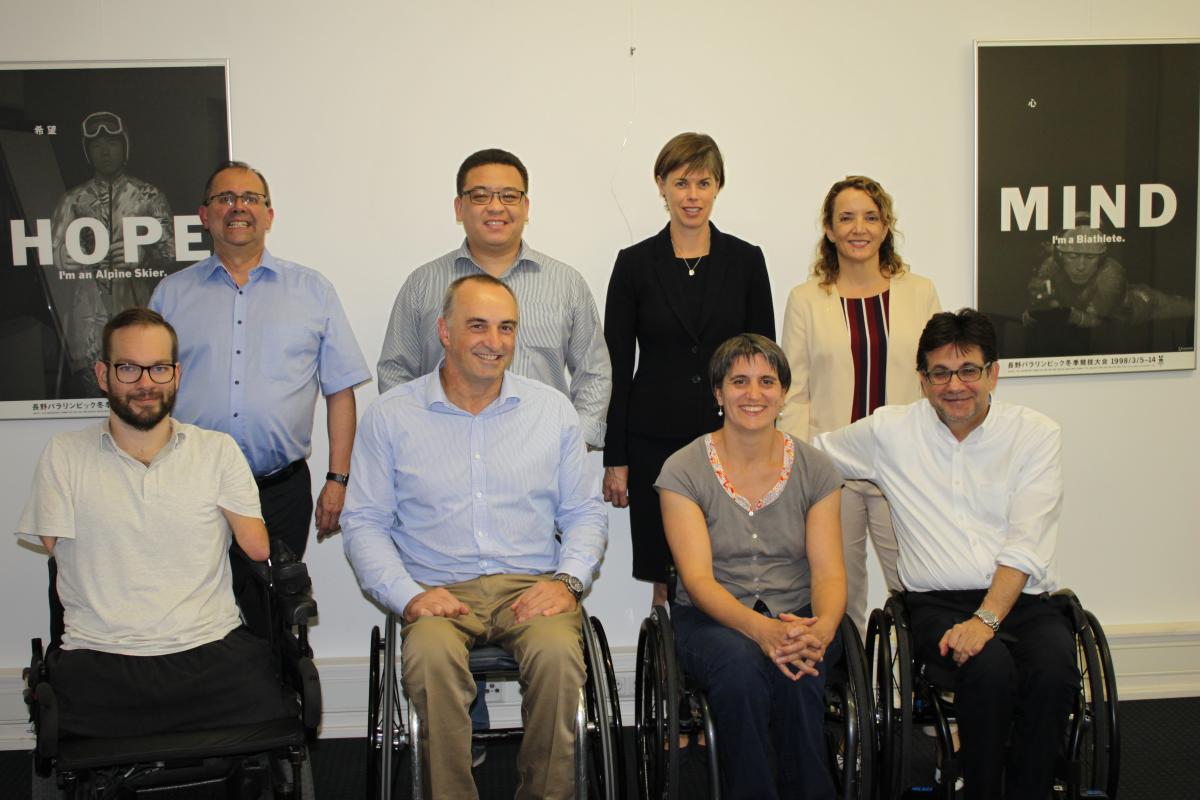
436 400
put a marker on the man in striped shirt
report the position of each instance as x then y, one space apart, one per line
560 327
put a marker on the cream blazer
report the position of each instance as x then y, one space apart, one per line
817 345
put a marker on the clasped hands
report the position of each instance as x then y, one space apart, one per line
792 644
542 599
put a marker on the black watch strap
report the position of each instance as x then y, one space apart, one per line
338 477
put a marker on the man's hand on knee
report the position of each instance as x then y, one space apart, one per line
436 602
965 640
543 599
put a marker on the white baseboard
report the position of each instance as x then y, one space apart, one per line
1152 661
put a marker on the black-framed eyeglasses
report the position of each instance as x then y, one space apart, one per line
132 373
481 197
247 198
967 373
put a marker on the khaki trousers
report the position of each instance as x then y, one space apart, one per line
549 653
865 510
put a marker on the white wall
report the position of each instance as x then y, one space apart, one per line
359 113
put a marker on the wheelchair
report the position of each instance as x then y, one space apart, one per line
668 703
599 755
260 760
908 693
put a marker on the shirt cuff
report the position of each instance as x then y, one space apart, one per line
593 431
576 568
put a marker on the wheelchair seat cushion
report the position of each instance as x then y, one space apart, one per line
75 753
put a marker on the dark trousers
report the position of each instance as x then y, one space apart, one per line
757 710
231 681
287 508
651 556
1013 698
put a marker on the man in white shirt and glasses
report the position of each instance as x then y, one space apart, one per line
976 490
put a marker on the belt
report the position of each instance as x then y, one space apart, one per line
280 475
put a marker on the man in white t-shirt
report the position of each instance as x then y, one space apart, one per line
139 512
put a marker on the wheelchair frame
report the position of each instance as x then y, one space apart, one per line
599 756
259 757
668 704
1090 763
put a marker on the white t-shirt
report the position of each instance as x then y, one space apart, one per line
142 551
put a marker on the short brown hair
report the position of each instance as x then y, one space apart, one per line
696 151
890 263
133 317
747 346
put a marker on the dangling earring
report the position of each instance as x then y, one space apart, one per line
720 411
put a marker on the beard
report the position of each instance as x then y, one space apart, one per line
147 417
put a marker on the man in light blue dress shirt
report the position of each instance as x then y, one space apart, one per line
463 478
262 337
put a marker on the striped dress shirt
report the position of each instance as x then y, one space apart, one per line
559 328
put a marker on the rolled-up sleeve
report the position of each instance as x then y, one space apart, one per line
1034 509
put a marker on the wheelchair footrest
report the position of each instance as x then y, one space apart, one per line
75 754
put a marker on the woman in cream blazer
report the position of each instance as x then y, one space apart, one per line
857 274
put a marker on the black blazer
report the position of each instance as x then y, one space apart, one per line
670 396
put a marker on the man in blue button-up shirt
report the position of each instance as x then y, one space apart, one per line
463 477
261 337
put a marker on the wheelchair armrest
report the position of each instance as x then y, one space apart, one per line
43 713
291 577
296 611
310 693
259 569
1074 608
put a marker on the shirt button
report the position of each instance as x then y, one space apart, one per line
755 536
695 379
235 414
239 322
239 352
477 456
752 513
479 494
240 291
237 383
695 349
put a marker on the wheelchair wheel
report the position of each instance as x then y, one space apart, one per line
849 721
656 723
602 736
1094 742
616 747
890 651
710 736
377 736
373 700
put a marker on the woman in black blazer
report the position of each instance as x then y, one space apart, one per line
673 298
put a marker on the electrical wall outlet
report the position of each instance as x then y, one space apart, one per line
625 685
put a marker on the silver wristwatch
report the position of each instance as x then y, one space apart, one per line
988 618
573 584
